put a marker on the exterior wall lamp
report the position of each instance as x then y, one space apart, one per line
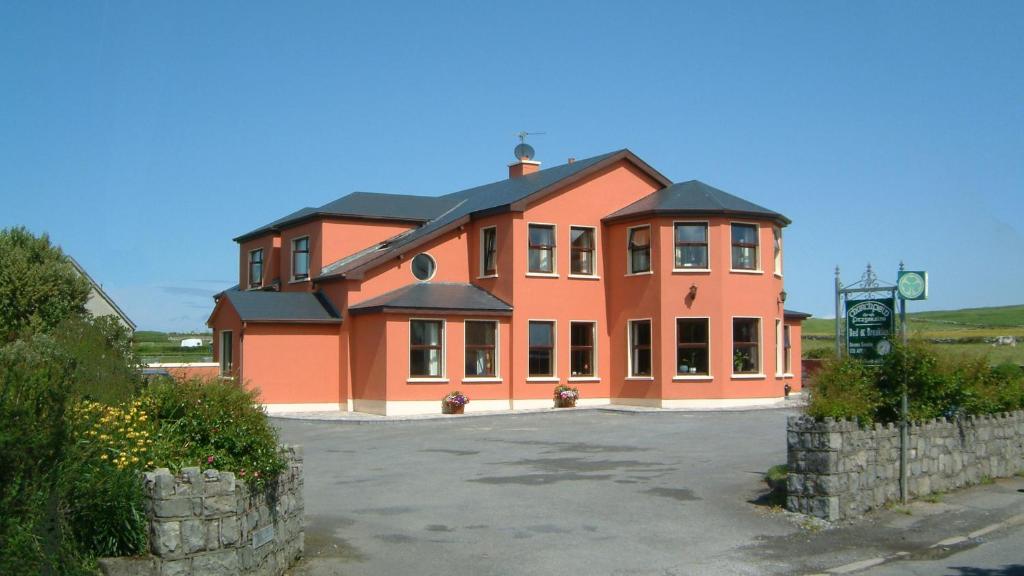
693 292
782 297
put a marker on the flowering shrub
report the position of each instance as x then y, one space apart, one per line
566 395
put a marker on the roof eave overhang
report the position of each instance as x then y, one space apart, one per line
290 321
425 310
792 315
776 218
521 204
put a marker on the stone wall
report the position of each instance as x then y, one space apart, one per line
209 522
840 470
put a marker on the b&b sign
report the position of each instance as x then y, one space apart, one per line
870 326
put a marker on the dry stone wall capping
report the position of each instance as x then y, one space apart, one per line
210 523
839 470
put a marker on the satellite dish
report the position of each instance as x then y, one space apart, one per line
524 152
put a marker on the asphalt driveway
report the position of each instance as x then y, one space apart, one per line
570 492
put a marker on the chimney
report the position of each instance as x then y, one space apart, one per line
522 168
524 155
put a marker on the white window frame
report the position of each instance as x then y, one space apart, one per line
694 377
596 377
779 349
787 357
444 352
229 335
760 375
248 270
309 257
432 273
554 351
650 250
554 251
707 238
482 273
777 259
629 349
497 352
757 252
595 275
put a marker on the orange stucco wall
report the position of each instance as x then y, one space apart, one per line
292 363
225 318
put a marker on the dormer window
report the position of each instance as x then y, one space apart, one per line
300 258
256 268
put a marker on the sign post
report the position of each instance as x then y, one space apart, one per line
870 324
911 285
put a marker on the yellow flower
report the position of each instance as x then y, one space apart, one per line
103 456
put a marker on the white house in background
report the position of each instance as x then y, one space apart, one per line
99 303
191 342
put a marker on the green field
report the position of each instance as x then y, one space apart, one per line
969 331
166 347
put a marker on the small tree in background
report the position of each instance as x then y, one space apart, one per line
39 288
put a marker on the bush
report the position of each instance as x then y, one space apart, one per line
213 424
936 386
844 388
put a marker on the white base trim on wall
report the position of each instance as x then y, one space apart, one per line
533 403
183 365
369 406
486 405
720 403
307 407
348 404
592 402
645 402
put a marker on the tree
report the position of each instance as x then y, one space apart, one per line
39 288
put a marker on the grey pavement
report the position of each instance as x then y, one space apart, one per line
583 492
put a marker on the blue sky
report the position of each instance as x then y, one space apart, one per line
142 137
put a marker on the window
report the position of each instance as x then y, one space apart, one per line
639 347
542 349
691 246
255 268
426 348
423 267
542 249
746 336
581 260
481 349
226 354
777 245
692 346
300 258
489 251
787 351
744 247
639 249
581 349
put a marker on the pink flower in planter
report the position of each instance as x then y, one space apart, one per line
209 459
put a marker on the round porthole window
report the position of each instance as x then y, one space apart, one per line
423 267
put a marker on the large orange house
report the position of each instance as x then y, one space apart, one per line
599 274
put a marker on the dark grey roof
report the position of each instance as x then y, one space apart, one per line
696 198
372 205
795 314
434 297
490 198
268 306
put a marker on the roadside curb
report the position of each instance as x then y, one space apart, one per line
860 565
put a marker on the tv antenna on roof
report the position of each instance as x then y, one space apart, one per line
524 151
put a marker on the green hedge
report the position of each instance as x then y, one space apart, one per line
937 385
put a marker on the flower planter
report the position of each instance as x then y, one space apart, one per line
563 403
447 408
